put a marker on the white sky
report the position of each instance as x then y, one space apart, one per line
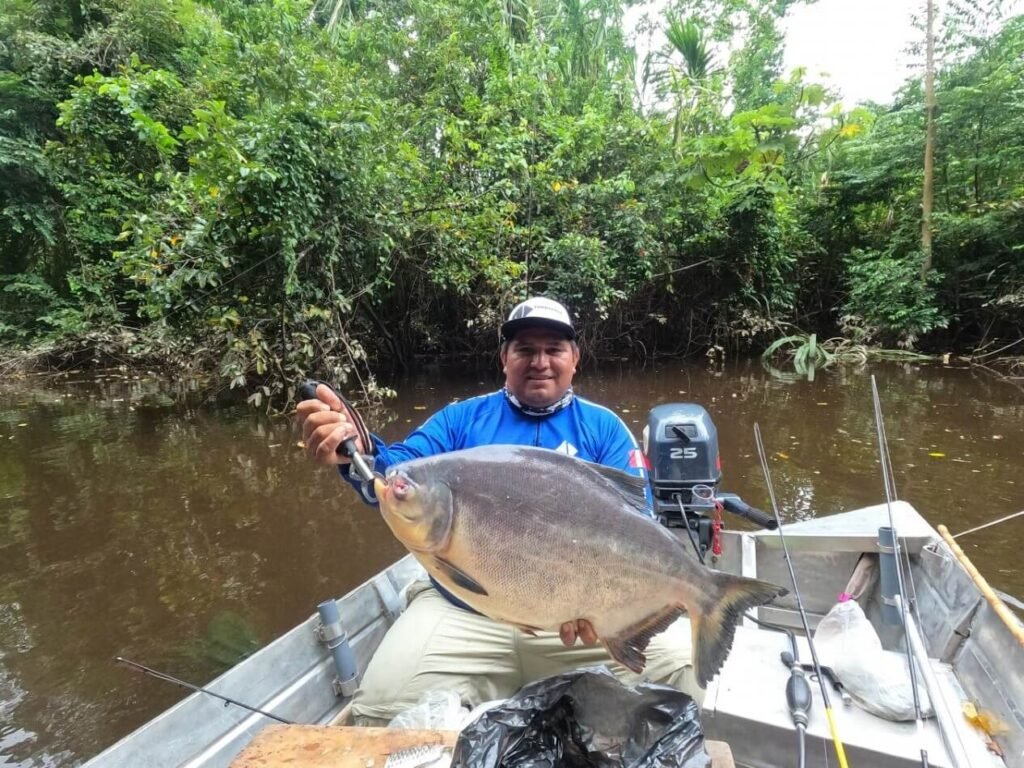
860 44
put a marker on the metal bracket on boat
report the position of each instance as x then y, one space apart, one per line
344 689
325 633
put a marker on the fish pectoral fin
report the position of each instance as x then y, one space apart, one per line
629 646
459 577
532 631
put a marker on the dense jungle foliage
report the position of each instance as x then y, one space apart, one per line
265 189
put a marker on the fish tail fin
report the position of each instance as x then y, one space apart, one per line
715 627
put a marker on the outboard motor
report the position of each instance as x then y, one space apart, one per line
681 445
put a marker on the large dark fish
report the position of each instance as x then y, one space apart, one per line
536 538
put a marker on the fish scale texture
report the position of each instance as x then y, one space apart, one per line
550 539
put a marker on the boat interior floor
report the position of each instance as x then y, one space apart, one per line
746 707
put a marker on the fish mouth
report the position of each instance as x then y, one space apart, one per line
395 488
380 486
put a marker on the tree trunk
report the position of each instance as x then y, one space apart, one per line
928 196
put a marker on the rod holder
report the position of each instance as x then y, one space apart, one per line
890 584
330 632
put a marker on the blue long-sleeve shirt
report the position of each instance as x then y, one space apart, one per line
583 429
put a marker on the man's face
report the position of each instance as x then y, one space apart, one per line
539 365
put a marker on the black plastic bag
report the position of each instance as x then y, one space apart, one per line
586 718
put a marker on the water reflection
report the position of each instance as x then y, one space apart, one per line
185 537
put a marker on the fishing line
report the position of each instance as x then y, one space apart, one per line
989 524
837 742
177 681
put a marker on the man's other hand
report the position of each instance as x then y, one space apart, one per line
580 628
325 425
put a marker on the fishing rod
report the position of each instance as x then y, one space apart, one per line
793 700
901 587
172 679
911 635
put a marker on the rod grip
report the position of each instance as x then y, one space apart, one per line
307 391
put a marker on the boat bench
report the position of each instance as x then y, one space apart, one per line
327 746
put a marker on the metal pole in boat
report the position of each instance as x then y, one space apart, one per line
330 632
916 650
826 701
947 725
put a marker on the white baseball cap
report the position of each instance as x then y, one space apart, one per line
538 312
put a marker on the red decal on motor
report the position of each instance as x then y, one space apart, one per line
638 460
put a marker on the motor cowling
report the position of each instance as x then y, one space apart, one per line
681 444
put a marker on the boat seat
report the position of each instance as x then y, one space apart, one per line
855 531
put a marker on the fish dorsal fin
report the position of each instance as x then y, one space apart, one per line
632 489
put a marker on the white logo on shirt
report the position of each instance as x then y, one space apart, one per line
567 448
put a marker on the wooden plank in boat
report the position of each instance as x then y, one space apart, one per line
311 746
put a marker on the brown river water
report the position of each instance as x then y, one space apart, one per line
186 536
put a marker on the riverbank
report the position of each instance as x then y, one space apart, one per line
132 354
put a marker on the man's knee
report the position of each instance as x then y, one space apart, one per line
396 660
436 646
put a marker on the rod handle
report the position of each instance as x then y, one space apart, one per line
307 391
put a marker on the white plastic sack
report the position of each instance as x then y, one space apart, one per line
436 710
877 680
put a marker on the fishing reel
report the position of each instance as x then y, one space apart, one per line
680 442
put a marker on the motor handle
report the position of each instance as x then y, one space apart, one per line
738 506
307 391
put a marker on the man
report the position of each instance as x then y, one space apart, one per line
439 642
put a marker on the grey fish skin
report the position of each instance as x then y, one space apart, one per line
536 538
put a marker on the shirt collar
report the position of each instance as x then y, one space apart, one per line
547 410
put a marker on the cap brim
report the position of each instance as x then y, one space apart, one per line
512 327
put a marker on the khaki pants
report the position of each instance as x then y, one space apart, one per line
436 645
